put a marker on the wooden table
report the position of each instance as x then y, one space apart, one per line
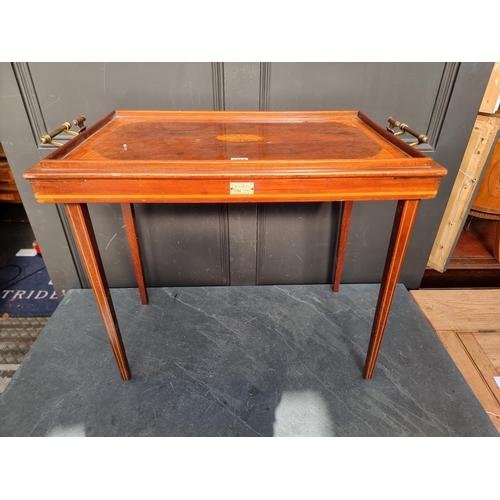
232 157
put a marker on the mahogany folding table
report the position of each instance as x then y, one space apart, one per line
232 157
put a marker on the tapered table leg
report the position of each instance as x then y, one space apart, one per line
79 217
345 222
403 222
133 241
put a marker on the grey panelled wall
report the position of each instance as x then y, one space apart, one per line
187 245
19 123
242 244
405 90
440 99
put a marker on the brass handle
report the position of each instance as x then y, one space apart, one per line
65 127
404 128
80 122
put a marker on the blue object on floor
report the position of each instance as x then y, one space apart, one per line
26 289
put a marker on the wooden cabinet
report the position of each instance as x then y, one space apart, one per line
8 189
486 204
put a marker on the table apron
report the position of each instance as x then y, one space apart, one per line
218 190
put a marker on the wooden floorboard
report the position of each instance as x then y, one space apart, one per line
490 344
461 310
468 324
483 364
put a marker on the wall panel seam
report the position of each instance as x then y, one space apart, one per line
29 96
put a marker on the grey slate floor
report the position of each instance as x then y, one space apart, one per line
240 361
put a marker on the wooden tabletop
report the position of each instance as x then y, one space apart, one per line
172 137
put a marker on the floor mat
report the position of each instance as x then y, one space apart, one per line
26 289
16 337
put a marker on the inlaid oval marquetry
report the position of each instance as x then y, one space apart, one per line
240 138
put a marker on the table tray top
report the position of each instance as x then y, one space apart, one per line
211 142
